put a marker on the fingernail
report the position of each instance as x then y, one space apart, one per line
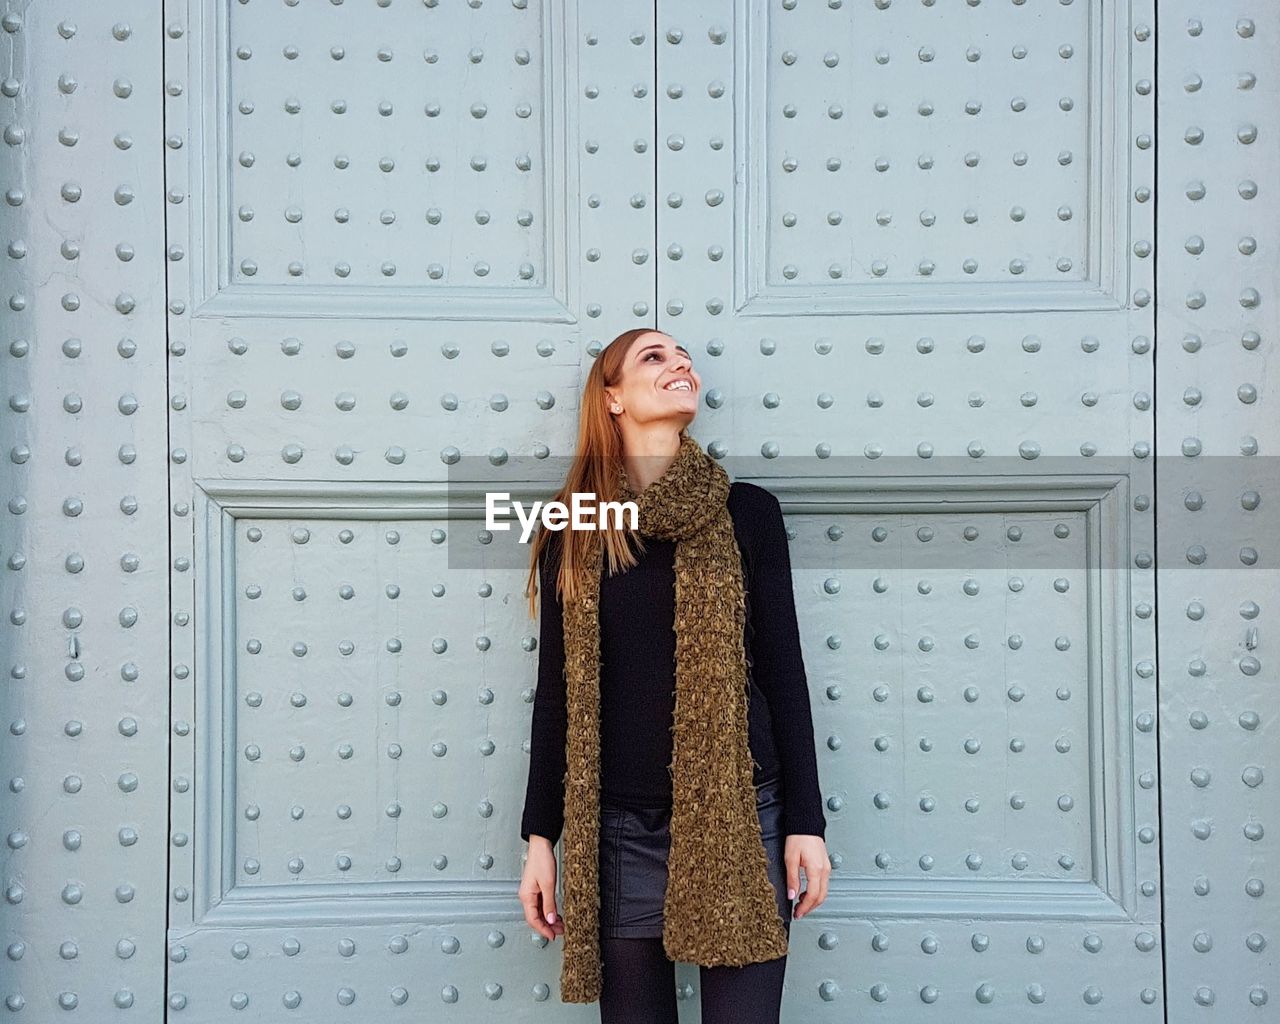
552 917
791 894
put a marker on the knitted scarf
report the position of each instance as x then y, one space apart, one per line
719 906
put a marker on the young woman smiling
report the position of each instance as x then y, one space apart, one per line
672 738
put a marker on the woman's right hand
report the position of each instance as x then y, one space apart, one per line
538 888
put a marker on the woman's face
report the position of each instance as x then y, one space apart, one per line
658 382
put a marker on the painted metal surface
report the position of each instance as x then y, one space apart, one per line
406 224
1218 581
913 250
83 536
908 238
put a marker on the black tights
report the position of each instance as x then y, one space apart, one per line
640 988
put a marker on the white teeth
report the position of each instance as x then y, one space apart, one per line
679 385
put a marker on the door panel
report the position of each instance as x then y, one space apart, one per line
1218 515
907 244
395 230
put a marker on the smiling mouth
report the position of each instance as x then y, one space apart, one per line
679 385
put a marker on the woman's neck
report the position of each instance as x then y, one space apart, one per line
646 456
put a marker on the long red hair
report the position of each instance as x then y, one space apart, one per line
594 470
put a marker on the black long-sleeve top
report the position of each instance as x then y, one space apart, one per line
637 678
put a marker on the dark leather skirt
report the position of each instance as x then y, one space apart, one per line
633 863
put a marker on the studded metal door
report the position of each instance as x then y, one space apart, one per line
909 243
393 228
915 250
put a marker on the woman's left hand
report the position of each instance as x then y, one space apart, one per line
810 853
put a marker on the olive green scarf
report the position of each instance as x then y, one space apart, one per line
720 906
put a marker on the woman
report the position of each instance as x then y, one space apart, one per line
664 740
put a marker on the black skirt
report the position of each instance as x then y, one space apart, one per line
633 863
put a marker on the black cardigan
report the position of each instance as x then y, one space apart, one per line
637 680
